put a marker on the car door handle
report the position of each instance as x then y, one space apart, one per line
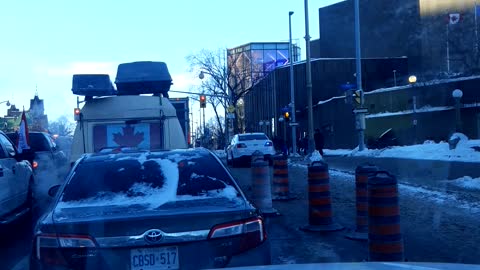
13 169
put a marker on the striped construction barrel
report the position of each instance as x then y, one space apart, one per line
320 216
361 195
280 178
261 186
385 241
362 173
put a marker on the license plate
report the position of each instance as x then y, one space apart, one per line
154 258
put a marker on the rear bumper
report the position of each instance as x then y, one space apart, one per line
248 153
257 256
199 259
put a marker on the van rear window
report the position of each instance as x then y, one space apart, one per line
141 136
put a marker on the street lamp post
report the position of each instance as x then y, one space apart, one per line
260 123
395 78
267 124
413 80
457 94
311 142
292 90
228 98
6 101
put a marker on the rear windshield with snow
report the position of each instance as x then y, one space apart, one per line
252 137
148 179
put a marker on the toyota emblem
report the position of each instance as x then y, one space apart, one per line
153 236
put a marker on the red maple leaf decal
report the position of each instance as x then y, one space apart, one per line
128 138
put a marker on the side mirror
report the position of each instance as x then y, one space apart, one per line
53 190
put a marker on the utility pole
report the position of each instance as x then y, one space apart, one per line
292 90
204 130
311 142
360 117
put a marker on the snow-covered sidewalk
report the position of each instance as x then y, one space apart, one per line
466 151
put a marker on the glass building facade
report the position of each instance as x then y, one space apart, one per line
253 61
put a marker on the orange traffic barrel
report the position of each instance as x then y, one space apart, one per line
362 173
281 189
320 216
385 242
261 186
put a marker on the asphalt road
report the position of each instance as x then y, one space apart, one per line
437 226
15 245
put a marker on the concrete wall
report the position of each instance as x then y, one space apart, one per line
432 125
411 28
435 105
267 97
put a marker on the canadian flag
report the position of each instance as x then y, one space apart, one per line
23 139
454 18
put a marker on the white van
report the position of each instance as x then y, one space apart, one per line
144 120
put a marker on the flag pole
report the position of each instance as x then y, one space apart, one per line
448 49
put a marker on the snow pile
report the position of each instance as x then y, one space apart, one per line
467 182
315 156
337 152
428 151
460 136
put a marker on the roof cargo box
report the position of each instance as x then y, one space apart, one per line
143 78
92 85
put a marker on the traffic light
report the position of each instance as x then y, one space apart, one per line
286 115
358 97
203 101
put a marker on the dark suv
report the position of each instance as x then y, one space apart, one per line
46 154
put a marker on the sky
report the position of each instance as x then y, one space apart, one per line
45 42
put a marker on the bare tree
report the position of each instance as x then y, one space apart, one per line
62 126
225 82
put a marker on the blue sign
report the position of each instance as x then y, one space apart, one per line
286 109
348 86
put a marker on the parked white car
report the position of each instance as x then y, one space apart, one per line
242 147
16 181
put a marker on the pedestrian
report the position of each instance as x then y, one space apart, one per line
319 141
300 145
305 145
284 148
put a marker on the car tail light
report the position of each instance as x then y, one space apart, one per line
241 145
57 249
269 143
35 165
251 233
